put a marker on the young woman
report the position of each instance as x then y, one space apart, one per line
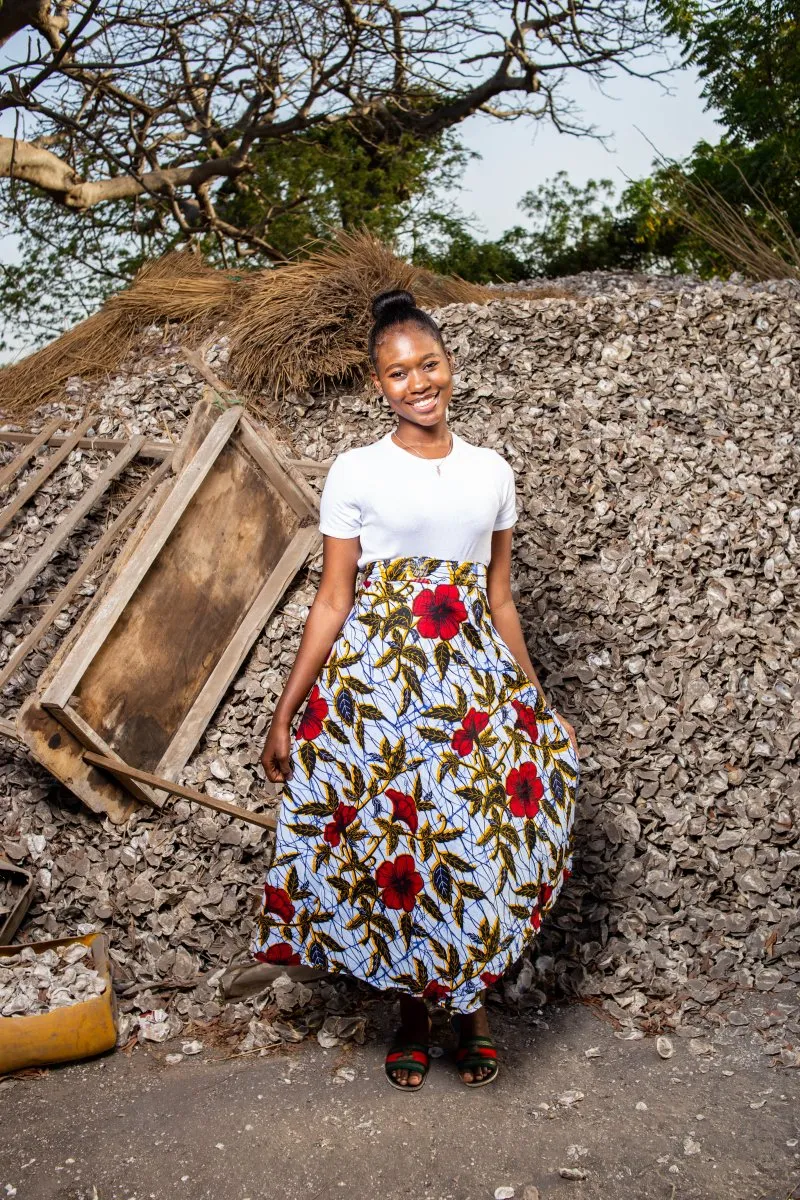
429 794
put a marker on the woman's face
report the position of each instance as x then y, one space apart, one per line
414 373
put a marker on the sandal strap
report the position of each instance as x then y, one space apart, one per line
408 1056
476 1051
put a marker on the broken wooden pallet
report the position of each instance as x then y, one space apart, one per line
141 677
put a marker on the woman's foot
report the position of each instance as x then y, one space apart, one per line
414 1027
476 1025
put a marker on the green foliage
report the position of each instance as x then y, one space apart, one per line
68 263
299 191
451 249
340 177
748 54
571 229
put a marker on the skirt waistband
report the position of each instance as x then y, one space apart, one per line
424 569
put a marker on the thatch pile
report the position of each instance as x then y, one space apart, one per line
178 287
292 328
307 323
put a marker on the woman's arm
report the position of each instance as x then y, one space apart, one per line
504 611
332 603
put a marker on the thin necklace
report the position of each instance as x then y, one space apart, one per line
413 451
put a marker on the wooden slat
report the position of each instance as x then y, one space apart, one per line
295 492
66 525
44 472
74 722
188 482
149 448
70 588
8 729
204 707
32 442
61 753
180 789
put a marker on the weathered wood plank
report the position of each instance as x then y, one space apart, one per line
83 731
95 634
61 753
294 491
32 442
69 589
122 770
11 437
204 707
65 527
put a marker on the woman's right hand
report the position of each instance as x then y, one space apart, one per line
275 757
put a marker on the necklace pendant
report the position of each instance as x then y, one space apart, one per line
438 469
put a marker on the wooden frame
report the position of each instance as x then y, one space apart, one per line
105 692
34 441
101 547
66 525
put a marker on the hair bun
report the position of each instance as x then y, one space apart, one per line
394 298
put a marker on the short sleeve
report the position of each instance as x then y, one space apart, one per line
339 508
507 512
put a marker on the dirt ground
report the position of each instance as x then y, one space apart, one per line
307 1124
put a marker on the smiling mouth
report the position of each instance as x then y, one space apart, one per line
425 404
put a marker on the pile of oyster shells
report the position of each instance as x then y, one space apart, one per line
653 433
34 982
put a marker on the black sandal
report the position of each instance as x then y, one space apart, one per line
413 1057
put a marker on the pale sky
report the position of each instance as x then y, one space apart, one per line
517 157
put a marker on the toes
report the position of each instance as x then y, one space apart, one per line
414 1078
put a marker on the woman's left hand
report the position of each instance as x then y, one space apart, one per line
570 731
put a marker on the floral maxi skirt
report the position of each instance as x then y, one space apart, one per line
426 827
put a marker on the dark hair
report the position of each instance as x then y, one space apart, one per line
398 307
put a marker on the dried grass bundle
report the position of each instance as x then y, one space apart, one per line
302 324
291 327
176 287
758 252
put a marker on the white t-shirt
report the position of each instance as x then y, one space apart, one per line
398 505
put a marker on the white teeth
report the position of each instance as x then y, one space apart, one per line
424 403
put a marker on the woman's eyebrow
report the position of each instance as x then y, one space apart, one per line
421 358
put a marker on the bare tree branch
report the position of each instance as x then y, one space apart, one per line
151 101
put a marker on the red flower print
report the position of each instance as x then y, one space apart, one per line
281 953
277 900
471 726
526 790
545 892
314 714
489 977
440 612
565 874
403 808
526 719
400 882
343 815
435 991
